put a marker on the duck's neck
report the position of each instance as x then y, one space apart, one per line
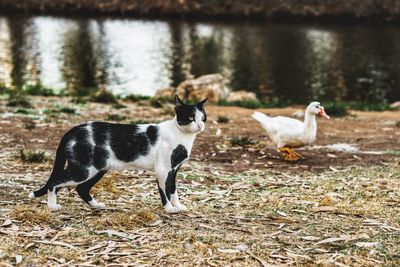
310 124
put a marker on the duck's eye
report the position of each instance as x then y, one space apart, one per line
191 118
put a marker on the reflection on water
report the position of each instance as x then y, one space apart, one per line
281 63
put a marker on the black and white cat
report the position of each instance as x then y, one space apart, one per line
93 148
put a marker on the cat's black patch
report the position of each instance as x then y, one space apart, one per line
152 133
100 132
127 142
84 188
100 157
178 155
83 153
185 114
170 183
162 194
77 172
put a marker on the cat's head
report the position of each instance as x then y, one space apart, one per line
190 118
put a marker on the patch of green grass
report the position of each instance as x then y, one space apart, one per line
67 110
79 100
103 96
22 111
119 106
242 141
393 152
253 104
29 156
38 89
223 119
115 117
336 109
332 108
136 98
369 106
341 109
51 111
18 100
4 89
160 102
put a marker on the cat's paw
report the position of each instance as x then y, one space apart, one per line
172 209
181 207
97 205
178 208
55 207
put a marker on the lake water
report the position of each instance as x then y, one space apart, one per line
285 63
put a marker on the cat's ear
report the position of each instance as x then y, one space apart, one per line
202 103
178 102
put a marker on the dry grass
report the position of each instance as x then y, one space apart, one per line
129 220
31 215
108 183
347 216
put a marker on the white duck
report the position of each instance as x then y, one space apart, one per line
287 133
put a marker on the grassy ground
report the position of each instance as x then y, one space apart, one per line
247 207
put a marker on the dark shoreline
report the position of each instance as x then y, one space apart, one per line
338 11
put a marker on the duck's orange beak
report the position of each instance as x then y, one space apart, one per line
322 113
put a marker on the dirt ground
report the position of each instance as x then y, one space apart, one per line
248 207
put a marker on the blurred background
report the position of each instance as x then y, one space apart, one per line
286 52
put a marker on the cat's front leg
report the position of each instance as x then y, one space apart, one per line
166 174
167 188
175 199
164 189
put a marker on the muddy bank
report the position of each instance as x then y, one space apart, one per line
385 10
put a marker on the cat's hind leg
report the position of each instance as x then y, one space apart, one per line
168 207
52 200
55 183
83 190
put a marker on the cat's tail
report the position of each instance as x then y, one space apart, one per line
58 168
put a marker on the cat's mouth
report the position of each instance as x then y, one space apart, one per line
195 130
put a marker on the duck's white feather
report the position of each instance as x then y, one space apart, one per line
285 131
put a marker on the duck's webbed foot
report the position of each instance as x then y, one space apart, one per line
290 154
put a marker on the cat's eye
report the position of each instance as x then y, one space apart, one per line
191 118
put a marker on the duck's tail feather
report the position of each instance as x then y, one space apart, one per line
260 117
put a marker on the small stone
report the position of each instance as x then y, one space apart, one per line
18 259
6 223
242 248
